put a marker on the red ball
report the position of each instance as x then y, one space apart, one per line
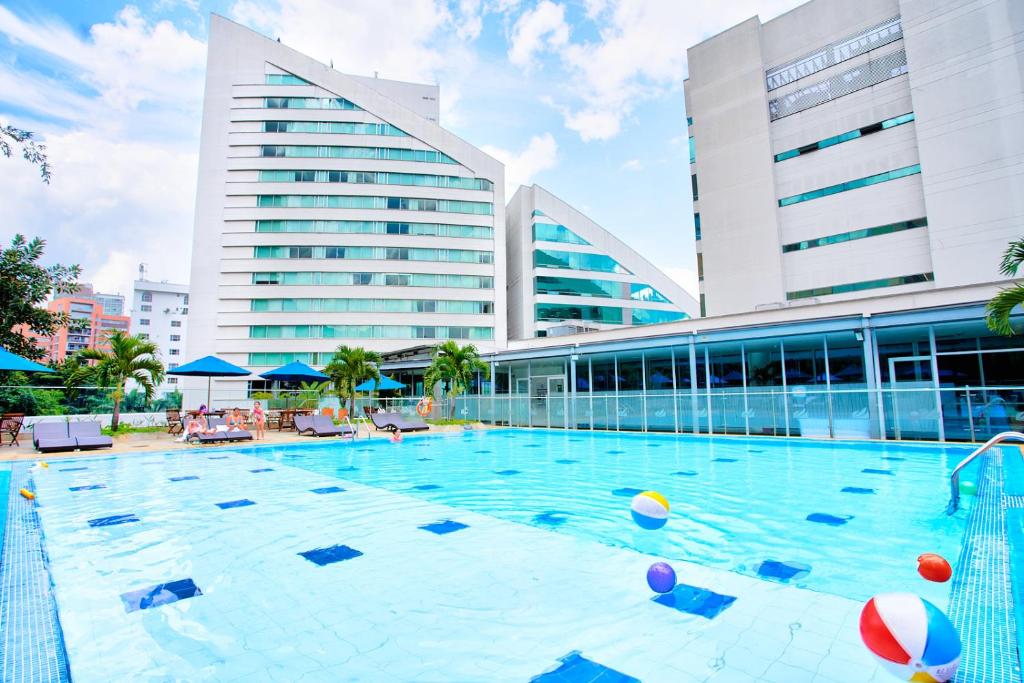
934 568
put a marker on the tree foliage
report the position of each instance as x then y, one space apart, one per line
24 288
352 365
32 151
456 366
129 357
1000 308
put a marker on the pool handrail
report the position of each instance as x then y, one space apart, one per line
954 479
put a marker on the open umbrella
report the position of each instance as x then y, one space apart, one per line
11 361
385 384
295 372
209 367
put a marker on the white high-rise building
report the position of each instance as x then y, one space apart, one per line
160 313
846 149
333 209
567 274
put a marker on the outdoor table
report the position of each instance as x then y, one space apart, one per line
288 417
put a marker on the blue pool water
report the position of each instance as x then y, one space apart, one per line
489 556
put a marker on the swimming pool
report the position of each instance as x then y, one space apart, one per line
497 555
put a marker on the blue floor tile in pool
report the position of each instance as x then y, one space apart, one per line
235 576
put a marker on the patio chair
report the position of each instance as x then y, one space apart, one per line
319 425
51 437
219 436
174 421
10 424
88 435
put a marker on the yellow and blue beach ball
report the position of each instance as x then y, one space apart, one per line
650 510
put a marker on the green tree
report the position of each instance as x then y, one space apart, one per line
24 288
129 357
350 366
997 313
32 151
455 366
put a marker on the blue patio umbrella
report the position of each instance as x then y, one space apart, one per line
385 384
11 361
295 372
209 367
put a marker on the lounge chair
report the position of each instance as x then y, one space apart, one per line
88 435
50 437
10 425
320 425
392 421
219 436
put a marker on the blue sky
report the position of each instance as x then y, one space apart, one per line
583 97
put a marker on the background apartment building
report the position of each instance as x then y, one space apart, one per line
566 274
334 209
846 148
160 313
94 316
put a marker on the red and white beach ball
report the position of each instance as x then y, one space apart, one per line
911 637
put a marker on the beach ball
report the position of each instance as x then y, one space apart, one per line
934 568
661 577
968 488
650 510
911 637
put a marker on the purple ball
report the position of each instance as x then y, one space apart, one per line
661 578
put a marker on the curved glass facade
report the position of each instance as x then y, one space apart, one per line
333 201
377 228
309 103
369 332
377 178
574 260
374 254
374 279
597 314
646 316
285 79
337 127
549 232
606 289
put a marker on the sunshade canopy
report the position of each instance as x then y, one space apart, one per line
12 361
295 372
385 384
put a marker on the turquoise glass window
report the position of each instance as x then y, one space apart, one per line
377 227
858 286
851 185
334 278
696 225
693 151
371 306
693 186
377 178
643 316
549 232
841 237
641 292
370 332
374 254
605 289
285 79
337 127
574 260
428 156
309 201
689 120
262 358
597 314
309 103
845 137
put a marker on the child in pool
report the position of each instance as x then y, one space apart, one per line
396 436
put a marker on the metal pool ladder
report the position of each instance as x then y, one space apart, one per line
954 479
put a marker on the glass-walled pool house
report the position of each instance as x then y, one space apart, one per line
932 373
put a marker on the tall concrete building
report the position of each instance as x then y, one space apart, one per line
843 149
160 313
566 274
93 315
333 209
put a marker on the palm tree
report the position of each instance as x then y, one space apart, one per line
1002 304
455 366
350 366
129 357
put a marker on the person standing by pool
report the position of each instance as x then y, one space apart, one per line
259 418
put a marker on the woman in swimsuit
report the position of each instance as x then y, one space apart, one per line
259 418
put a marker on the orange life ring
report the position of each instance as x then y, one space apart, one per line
424 406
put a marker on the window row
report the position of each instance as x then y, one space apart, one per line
859 286
339 127
846 137
574 260
549 232
371 306
285 79
311 201
856 235
429 156
377 178
604 289
374 254
596 314
369 332
646 316
851 185
309 103
375 279
377 228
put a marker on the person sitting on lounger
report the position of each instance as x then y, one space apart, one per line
195 425
235 422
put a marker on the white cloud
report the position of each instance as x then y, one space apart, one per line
542 27
540 154
632 165
470 21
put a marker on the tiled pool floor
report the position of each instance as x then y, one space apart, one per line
495 600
